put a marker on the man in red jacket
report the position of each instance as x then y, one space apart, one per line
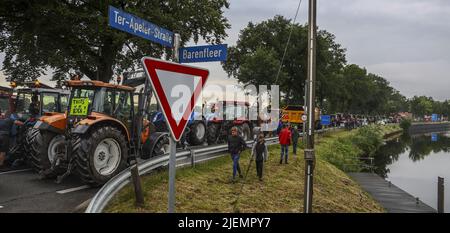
285 141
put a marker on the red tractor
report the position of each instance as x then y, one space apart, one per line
6 101
225 115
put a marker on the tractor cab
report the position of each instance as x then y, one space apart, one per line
34 102
6 101
237 111
95 100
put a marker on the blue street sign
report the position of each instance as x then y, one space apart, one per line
434 117
204 53
325 120
434 137
134 25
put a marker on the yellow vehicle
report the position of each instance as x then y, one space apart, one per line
293 114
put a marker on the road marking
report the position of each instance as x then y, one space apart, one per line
73 189
15 171
1 207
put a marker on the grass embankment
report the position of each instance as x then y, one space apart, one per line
207 187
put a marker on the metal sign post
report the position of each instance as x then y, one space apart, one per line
173 143
310 99
172 169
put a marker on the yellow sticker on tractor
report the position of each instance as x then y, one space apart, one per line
79 106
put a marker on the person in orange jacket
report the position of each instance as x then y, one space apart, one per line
285 139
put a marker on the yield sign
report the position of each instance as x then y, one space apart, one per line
177 88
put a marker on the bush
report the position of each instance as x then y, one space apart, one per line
405 124
368 139
343 154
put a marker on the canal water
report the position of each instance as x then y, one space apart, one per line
414 162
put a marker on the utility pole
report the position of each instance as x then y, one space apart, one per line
173 143
310 107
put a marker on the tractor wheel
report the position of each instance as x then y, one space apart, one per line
197 134
45 148
212 131
20 150
245 132
29 136
100 154
162 147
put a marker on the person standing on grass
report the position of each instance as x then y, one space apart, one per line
285 142
235 146
259 154
295 136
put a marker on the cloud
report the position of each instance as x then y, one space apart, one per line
405 41
431 78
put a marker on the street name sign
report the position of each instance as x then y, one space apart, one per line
325 120
177 88
126 22
206 53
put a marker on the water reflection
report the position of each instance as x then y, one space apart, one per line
413 163
417 146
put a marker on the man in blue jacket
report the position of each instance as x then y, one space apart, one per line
235 146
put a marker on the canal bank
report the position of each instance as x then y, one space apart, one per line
429 127
392 198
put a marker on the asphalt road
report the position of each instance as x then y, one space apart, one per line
22 191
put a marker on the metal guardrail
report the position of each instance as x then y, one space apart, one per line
114 185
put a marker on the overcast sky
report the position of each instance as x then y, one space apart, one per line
405 41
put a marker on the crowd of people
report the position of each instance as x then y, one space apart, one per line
351 121
288 136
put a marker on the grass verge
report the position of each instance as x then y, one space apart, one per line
207 187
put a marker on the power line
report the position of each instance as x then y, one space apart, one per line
289 39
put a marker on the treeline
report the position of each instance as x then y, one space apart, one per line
422 105
340 87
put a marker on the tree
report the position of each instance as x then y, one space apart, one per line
73 35
421 105
256 58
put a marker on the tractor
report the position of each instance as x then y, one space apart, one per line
235 113
195 132
32 102
101 132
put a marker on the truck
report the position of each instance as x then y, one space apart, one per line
293 114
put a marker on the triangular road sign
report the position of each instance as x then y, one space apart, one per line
177 88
